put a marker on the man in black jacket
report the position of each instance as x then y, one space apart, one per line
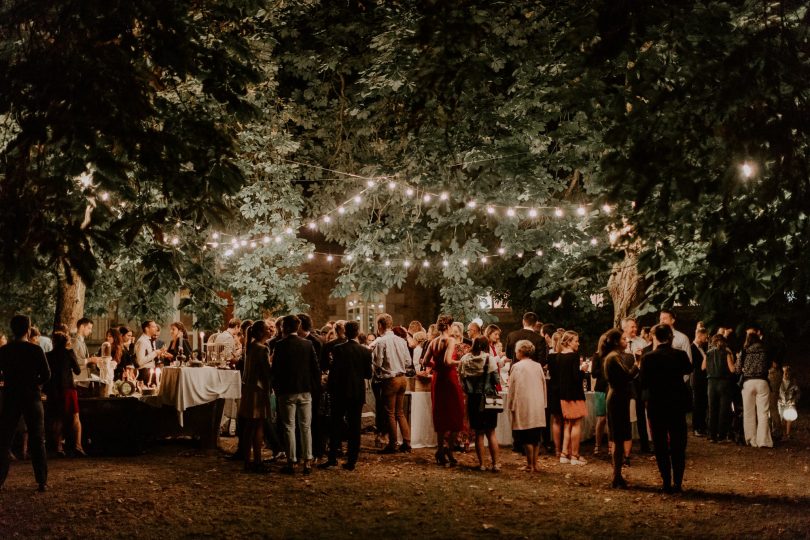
296 375
668 401
351 366
527 333
24 369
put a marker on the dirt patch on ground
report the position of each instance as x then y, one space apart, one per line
175 491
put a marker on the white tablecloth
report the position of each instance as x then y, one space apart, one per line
186 387
423 435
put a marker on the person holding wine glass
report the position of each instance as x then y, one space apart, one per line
179 346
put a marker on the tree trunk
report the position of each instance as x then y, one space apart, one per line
70 291
626 287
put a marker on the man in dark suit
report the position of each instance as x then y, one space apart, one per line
351 366
668 401
296 375
24 369
527 333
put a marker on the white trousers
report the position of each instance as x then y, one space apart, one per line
756 395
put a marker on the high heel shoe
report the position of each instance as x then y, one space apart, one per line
441 457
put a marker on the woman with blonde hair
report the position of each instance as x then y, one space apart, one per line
572 397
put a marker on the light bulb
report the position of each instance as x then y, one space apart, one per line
253 244
387 262
243 243
288 230
368 259
392 185
327 219
215 236
358 199
581 211
747 170
464 262
471 204
594 241
409 192
520 255
370 183
105 196
484 260
490 210
329 258
501 251
175 241
606 208
427 197
214 244
558 212
341 210
310 256
228 252
426 264
539 252
277 239
235 242
349 257
510 212
312 225
266 239
444 196
406 263
533 213
445 263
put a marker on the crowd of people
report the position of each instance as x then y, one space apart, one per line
304 390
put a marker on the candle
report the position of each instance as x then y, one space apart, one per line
151 376
157 376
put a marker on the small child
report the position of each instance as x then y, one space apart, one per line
789 395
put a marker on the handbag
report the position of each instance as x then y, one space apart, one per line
492 401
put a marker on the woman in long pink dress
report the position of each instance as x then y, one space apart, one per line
445 391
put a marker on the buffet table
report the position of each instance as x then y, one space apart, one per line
184 387
189 402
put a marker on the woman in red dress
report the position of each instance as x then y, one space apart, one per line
445 391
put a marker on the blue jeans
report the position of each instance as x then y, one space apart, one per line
297 408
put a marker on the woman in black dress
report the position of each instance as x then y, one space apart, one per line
554 408
477 387
618 398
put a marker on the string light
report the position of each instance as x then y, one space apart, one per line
533 213
581 211
243 243
277 239
464 262
490 210
501 251
425 264
484 259
370 183
310 256
445 264
105 196
471 204
392 185
444 196
327 219
594 241
253 244
266 239
348 256
406 263
539 252
312 225
175 241
426 198
558 212
606 209
510 212
330 258
747 170
341 210
228 252
358 199
288 230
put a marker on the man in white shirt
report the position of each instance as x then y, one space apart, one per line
680 340
389 359
229 339
88 364
232 352
635 346
145 353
